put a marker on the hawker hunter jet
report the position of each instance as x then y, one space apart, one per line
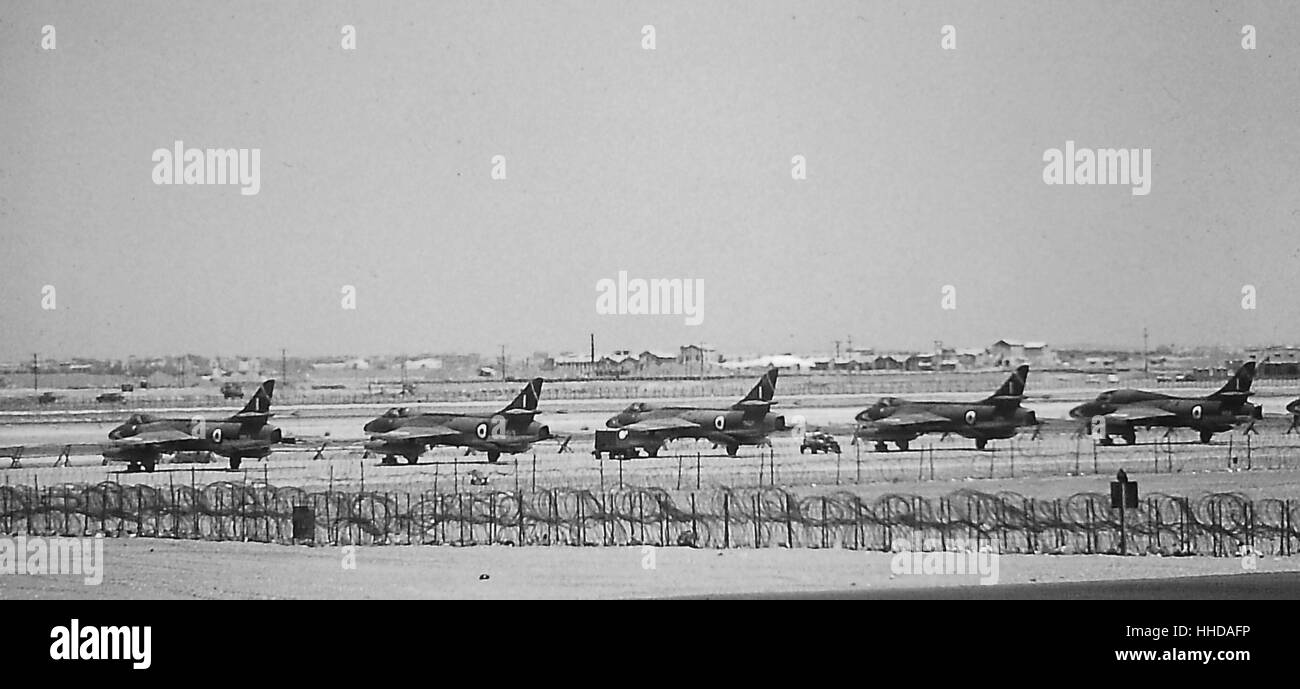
1293 408
901 421
144 438
403 432
747 422
1120 412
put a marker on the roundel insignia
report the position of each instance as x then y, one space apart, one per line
622 434
1196 412
970 417
216 435
481 431
719 422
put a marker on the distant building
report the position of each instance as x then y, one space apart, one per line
920 362
788 362
651 362
357 364
1279 362
889 362
695 357
1008 353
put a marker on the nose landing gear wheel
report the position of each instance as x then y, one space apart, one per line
732 450
493 456
234 463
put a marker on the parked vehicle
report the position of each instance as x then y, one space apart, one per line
819 441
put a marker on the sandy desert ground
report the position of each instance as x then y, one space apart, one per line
157 568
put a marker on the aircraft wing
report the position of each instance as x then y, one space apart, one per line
910 419
161 437
415 433
667 424
1140 414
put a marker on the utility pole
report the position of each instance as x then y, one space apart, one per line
284 367
837 350
1146 358
36 376
503 362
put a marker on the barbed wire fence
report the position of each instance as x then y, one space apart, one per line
1216 524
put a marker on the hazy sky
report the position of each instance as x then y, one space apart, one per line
924 169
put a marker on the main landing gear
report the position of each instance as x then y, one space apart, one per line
145 463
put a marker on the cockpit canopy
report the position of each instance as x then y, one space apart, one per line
140 419
397 413
637 408
888 402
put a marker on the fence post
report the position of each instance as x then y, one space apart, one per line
857 527
695 533
726 520
789 528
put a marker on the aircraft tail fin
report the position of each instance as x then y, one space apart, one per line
526 401
760 397
1237 387
1013 389
258 408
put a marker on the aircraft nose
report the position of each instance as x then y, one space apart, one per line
375 426
544 433
614 422
120 432
1082 411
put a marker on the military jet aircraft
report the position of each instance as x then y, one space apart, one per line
747 422
1120 412
144 438
901 421
400 431
1293 408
